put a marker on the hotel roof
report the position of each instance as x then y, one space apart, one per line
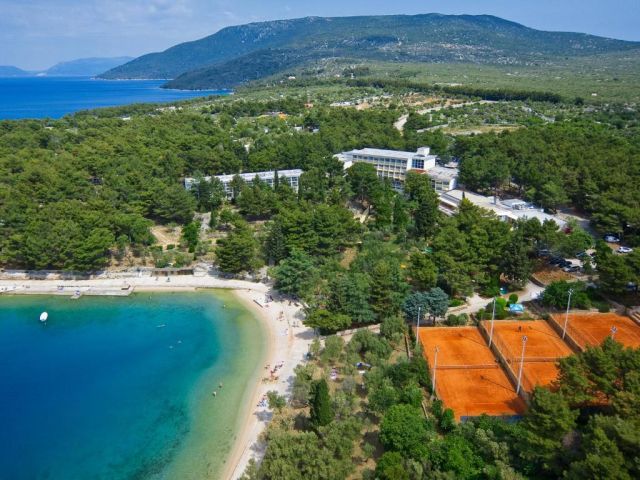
443 173
454 197
378 152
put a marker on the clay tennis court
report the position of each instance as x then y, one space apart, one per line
469 379
542 340
543 349
472 392
457 346
592 328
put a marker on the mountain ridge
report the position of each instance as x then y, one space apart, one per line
238 54
80 67
85 67
9 71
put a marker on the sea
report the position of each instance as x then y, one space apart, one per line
54 97
122 387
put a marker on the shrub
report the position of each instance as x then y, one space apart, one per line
447 420
456 302
332 349
370 345
393 328
457 320
513 299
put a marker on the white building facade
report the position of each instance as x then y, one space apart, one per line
394 165
506 210
291 177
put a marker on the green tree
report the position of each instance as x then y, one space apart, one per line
173 204
191 235
276 401
544 428
557 295
422 271
404 429
209 194
238 251
393 328
363 180
326 321
603 460
391 467
425 204
349 295
387 288
550 196
275 247
516 265
333 346
321 410
437 302
614 273
296 275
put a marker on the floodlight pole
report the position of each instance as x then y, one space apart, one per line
524 344
435 366
418 329
566 316
614 330
493 317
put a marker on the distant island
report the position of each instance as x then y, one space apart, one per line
240 54
11 71
82 67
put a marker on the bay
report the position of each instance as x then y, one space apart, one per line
54 97
121 388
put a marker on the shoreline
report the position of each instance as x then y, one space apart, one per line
286 340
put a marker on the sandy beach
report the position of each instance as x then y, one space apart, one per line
287 339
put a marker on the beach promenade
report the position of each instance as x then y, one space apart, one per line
286 337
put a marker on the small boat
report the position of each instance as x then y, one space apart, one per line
44 316
162 325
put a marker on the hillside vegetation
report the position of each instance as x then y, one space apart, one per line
236 55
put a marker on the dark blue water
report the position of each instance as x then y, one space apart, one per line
41 97
102 392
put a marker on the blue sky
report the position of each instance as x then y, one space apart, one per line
35 34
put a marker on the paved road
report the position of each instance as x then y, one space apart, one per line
530 291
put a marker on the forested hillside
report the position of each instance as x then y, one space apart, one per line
77 190
257 50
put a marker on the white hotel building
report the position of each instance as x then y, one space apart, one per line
394 165
292 177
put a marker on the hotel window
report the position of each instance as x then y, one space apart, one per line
418 163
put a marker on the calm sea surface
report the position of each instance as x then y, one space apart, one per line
54 97
121 388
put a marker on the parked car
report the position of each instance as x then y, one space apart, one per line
556 260
611 238
625 250
545 252
571 269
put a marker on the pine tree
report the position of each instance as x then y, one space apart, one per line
321 409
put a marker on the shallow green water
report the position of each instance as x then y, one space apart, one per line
121 388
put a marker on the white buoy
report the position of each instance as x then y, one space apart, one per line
44 316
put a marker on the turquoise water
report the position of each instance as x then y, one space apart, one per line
104 391
54 97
